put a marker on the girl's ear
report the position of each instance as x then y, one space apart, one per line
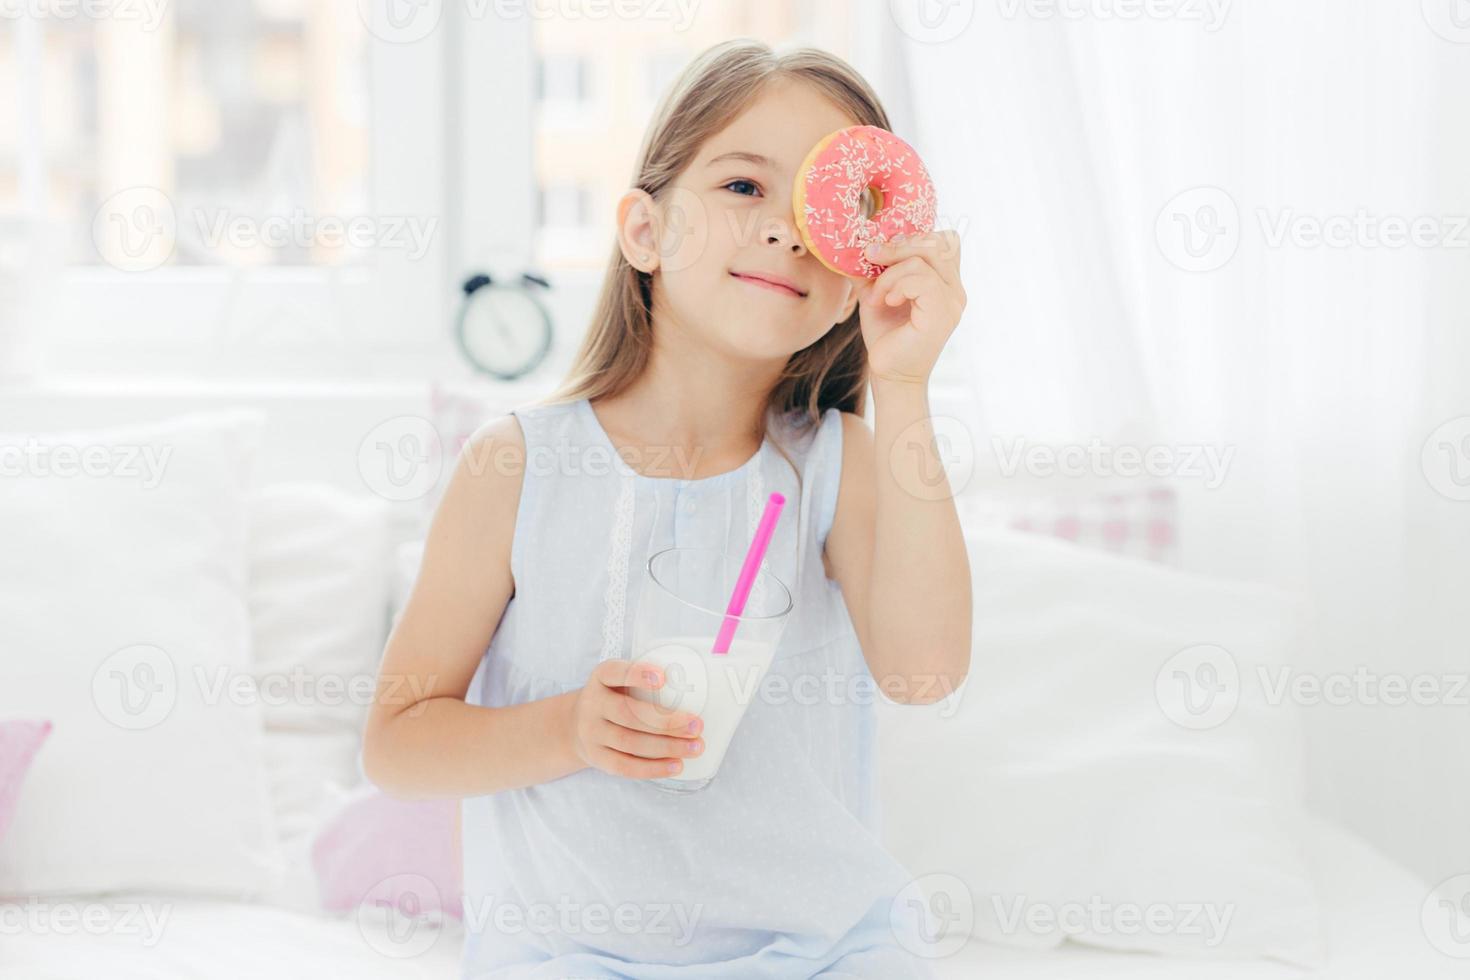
636 230
854 293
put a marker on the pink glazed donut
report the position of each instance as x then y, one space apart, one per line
857 186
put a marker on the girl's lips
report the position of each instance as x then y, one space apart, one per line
767 284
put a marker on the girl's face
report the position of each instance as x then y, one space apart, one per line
730 263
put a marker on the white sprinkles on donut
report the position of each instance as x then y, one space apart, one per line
833 187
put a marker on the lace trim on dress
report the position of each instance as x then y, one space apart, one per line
616 597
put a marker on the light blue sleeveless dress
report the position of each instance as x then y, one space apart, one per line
774 870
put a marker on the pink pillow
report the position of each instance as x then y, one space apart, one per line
1141 522
19 741
383 851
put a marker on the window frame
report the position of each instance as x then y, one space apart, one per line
386 317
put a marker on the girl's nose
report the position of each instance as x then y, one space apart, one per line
782 232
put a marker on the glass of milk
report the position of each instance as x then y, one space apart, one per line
685 594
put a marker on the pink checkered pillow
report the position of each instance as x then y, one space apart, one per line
456 411
381 851
19 741
1139 523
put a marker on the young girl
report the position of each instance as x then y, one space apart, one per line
724 362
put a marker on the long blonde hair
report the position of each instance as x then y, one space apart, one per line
708 95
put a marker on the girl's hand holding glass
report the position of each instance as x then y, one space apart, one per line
623 736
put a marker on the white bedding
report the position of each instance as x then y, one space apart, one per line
1372 909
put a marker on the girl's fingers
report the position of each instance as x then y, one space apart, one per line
647 745
912 288
893 275
634 767
939 249
631 712
616 672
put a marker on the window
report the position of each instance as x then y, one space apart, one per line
637 58
295 188
659 72
566 206
241 177
561 78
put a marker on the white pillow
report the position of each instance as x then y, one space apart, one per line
319 595
122 610
320 574
1068 787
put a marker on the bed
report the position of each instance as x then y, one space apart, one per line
1372 912
1371 909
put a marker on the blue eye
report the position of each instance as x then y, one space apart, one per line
747 183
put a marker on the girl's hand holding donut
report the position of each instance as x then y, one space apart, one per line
909 311
623 736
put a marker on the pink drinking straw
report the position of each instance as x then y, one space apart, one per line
753 557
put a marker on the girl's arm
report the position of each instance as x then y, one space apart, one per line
421 738
897 550
896 543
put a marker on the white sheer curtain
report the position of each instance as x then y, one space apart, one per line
1062 144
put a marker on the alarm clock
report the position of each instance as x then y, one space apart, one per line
503 328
